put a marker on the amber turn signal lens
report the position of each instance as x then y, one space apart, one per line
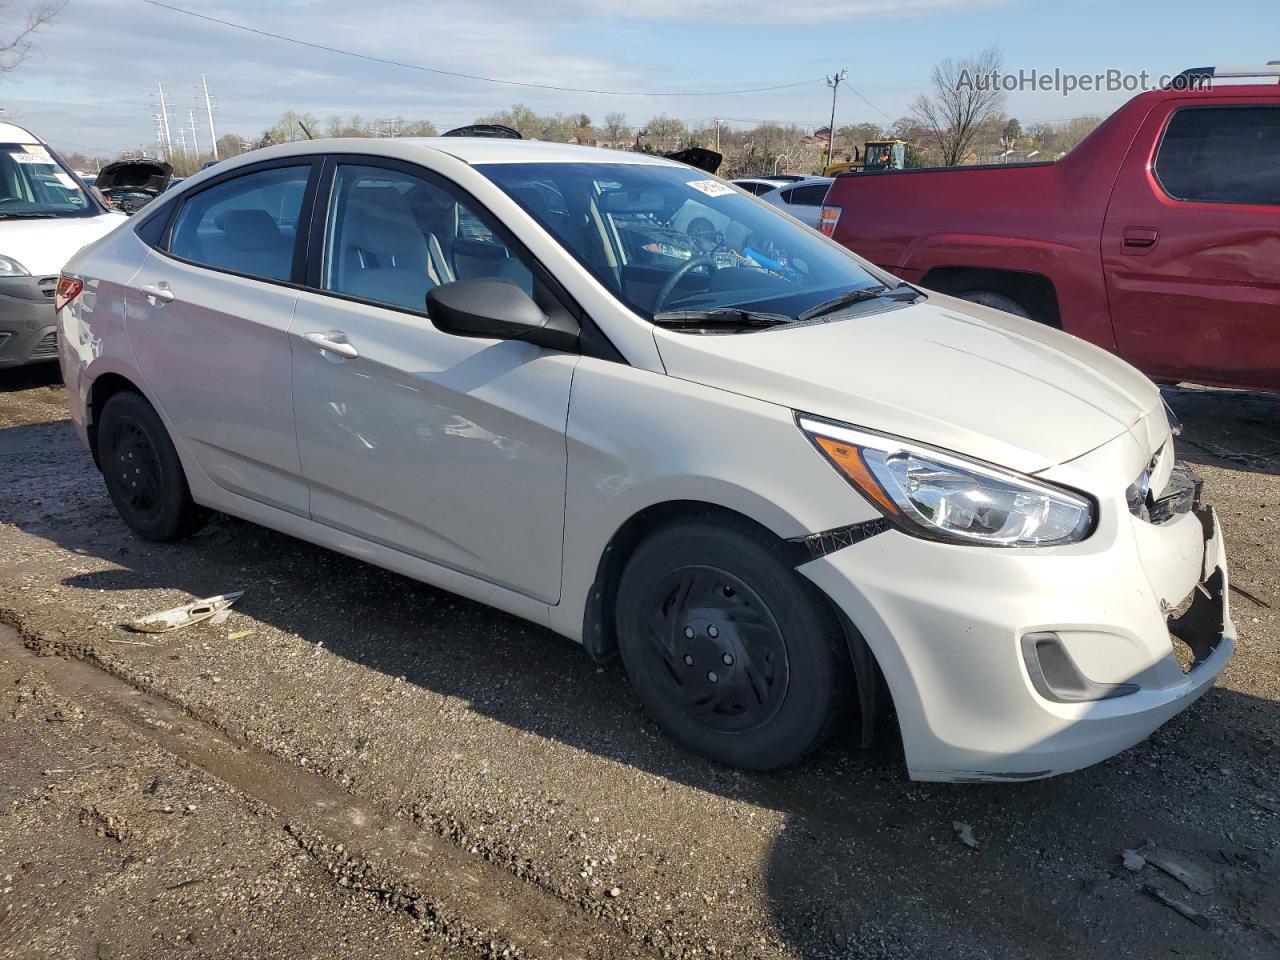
847 460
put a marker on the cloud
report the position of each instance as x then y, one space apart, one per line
94 71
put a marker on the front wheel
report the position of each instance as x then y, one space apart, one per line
143 474
730 650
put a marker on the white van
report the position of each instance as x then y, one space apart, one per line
46 214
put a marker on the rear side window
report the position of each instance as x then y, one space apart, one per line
247 225
1222 155
811 196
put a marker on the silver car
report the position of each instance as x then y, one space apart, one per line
625 400
802 199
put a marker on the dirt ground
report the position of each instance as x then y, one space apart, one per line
357 765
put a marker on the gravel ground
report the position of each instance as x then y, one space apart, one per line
462 781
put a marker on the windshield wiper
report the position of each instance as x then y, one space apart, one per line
850 297
719 317
27 216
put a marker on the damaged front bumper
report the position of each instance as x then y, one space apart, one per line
1012 665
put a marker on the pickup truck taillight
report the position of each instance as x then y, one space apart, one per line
67 290
828 219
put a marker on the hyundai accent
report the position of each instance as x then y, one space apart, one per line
628 401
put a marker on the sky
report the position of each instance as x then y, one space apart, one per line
90 83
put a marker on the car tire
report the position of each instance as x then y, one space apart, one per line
732 652
997 301
143 474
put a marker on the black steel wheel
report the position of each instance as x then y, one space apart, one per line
143 474
732 652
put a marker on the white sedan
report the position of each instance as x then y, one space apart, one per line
618 397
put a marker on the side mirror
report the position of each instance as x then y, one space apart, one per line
492 309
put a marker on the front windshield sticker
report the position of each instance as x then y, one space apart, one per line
36 148
712 188
44 161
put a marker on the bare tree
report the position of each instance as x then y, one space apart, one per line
20 24
965 96
615 128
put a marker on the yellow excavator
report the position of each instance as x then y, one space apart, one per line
876 155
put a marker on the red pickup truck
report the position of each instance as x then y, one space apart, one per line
1158 237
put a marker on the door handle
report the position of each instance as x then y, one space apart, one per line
157 294
1140 238
327 343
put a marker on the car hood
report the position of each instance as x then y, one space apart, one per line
944 372
44 246
134 176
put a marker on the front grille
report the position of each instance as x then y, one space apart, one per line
48 286
47 347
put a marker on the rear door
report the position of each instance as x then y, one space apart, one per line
446 448
804 202
208 319
1191 244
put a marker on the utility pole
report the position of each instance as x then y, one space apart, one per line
208 107
717 123
182 143
833 82
166 139
195 140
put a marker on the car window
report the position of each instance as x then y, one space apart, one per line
666 238
810 196
391 237
1222 155
247 225
34 185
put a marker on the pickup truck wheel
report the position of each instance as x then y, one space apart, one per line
998 301
143 474
731 651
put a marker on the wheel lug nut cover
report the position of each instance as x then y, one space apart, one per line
728 659
712 677
688 659
713 631
688 632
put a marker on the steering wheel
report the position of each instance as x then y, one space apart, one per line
677 275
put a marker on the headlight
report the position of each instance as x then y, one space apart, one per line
12 268
943 496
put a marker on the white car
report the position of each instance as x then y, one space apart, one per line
759 185
788 489
802 199
46 215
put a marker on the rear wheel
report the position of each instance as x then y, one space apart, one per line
143 474
731 651
989 298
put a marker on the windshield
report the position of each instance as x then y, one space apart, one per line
34 184
667 239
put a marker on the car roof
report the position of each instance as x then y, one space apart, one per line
475 150
12 133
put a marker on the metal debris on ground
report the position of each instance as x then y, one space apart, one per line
964 833
1185 872
1133 860
1177 906
240 634
186 615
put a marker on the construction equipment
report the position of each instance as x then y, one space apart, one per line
875 155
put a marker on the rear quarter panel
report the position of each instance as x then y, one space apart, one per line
1039 218
91 329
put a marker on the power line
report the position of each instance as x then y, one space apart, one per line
470 76
868 102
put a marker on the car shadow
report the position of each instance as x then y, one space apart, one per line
15 379
868 863
1232 429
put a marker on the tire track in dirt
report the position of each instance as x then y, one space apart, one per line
460 897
